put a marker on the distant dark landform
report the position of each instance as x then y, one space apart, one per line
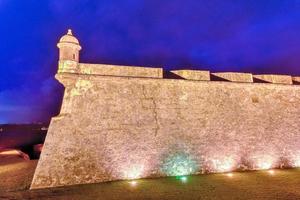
23 137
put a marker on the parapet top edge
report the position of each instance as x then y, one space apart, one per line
69 62
73 77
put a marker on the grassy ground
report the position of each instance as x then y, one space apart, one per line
16 175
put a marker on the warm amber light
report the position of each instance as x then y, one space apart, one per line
133 183
271 172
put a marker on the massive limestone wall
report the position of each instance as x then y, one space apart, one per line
113 128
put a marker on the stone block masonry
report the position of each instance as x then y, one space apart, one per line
113 70
277 79
120 128
115 126
234 77
193 74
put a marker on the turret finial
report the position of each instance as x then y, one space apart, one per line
69 32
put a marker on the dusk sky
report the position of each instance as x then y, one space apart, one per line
256 36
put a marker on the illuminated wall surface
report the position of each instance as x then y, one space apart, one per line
120 122
113 128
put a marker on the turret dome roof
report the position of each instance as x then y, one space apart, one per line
69 38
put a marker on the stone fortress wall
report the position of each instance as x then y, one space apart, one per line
120 122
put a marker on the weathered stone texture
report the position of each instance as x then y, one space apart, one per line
115 126
235 77
117 70
120 122
279 79
197 75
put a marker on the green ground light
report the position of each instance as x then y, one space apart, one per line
182 178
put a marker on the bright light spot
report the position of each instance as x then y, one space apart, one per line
14 152
10 152
265 165
183 179
297 163
179 165
296 160
265 162
133 183
229 175
223 165
134 172
271 172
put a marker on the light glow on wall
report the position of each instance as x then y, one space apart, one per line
296 160
134 172
222 164
179 165
264 162
296 163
